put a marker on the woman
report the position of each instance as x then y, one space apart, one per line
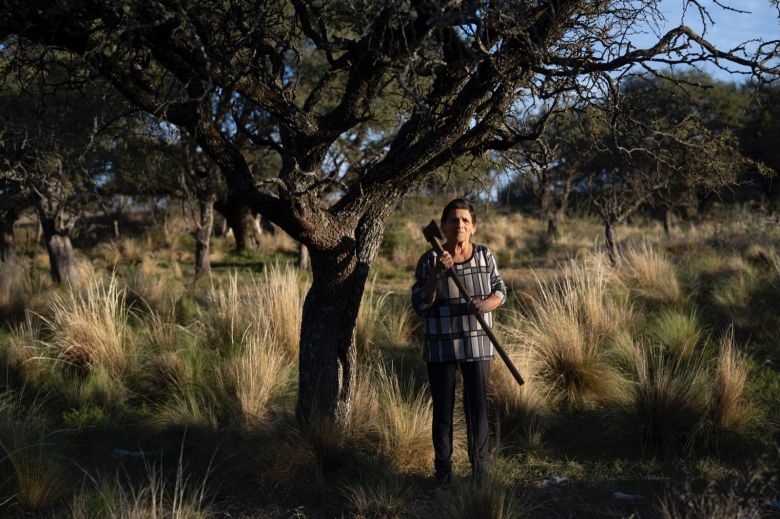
453 337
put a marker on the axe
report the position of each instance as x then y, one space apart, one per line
433 234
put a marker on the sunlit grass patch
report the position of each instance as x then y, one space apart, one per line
272 303
91 327
403 425
727 407
569 330
259 372
650 275
678 330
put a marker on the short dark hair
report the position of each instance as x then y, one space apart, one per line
458 203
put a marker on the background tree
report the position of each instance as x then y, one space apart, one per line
51 133
638 158
454 79
12 203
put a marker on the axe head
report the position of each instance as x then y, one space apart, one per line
432 232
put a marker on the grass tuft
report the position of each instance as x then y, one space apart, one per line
726 406
90 328
651 275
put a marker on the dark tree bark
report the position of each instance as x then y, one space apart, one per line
7 241
609 235
328 350
667 217
203 236
241 220
62 258
553 233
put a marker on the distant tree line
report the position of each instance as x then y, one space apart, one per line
661 146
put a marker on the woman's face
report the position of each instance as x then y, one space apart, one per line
459 226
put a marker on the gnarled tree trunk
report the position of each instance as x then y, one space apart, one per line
327 358
62 258
667 221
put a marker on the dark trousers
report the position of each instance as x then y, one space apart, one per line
442 379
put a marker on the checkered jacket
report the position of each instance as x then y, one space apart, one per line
452 334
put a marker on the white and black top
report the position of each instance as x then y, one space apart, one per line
452 334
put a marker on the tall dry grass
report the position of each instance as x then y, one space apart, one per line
385 496
569 330
259 372
403 425
520 411
272 303
651 275
669 397
90 327
38 476
727 407
158 496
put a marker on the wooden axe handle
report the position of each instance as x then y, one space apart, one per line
465 295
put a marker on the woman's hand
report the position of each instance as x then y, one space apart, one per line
444 262
483 306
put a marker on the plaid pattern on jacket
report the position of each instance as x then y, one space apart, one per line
452 334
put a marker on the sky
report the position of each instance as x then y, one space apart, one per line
728 28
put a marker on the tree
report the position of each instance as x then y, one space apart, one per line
638 158
12 203
50 138
454 78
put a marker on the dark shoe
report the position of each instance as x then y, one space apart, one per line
443 478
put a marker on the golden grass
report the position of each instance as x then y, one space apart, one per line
568 332
272 304
385 497
403 426
727 409
281 294
91 327
650 274
39 478
259 372
147 288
